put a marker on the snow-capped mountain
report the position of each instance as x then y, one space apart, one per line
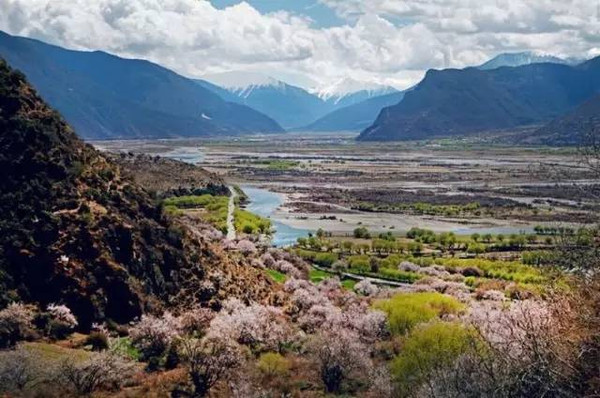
243 83
525 58
289 105
348 91
293 107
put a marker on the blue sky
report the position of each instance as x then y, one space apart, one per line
322 15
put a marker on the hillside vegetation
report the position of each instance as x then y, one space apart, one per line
74 230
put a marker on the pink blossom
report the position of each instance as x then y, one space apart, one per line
63 314
366 288
152 335
246 247
260 327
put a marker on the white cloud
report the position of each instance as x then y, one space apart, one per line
387 41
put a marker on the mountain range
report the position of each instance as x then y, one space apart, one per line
524 58
104 96
453 102
299 109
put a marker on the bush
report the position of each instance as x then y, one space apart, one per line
325 259
273 364
20 369
362 233
406 310
61 322
428 350
16 323
98 341
106 370
152 335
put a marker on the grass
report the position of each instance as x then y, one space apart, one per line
276 276
406 310
123 346
250 223
317 276
349 284
215 208
55 352
430 347
215 212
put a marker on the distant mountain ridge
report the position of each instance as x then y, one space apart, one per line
524 58
289 105
453 102
104 96
295 108
356 117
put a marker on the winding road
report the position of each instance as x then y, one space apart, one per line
230 209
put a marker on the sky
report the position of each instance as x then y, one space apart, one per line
312 43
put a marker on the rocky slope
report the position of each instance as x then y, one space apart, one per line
75 230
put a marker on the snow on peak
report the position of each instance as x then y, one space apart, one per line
236 81
348 86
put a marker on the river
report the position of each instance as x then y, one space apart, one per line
264 203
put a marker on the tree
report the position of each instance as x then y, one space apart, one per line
101 369
16 321
320 233
338 354
273 364
362 233
209 360
153 335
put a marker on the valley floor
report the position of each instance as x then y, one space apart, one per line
330 181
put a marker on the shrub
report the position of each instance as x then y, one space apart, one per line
406 310
19 369
273 364
152 335
362 233
61 321
428 349
16 322
106 370
366 288
98 341
246 247
195 320
325 259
